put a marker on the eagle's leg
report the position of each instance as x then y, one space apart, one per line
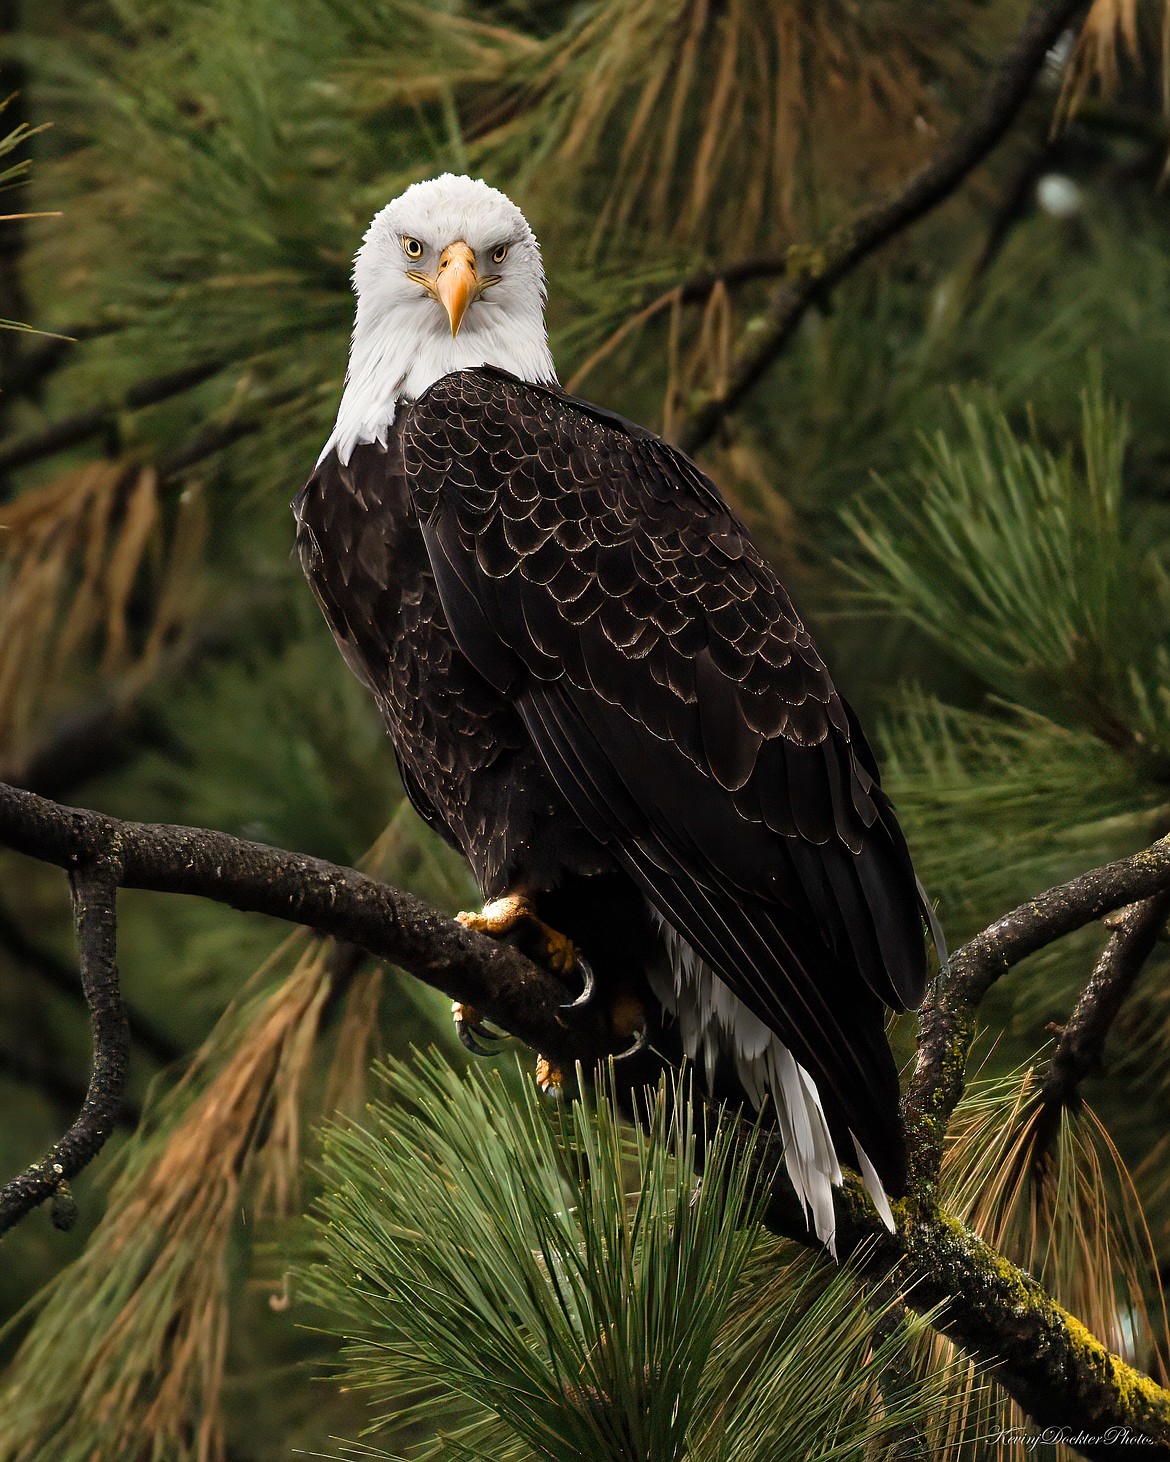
514 914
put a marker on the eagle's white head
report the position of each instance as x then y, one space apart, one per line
448 277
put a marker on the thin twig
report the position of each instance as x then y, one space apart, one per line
71 431
986 122
94 884
1079 1050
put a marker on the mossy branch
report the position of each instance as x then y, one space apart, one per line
1042 1355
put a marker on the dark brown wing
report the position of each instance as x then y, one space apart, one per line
360 548
596 577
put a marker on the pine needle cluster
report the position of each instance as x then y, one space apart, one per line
557 1284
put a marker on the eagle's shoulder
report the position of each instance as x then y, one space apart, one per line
487 415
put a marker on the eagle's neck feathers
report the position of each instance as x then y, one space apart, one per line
400 350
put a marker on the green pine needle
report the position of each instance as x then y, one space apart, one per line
552 1284
582 1314
1014 559
973 788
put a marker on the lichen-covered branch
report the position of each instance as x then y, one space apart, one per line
1042 1355
1036 1350
823 268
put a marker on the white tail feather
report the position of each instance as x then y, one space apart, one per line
874 1184
712 1021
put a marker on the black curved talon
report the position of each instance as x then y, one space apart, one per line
473 1034
479 1044
586 996
641 1041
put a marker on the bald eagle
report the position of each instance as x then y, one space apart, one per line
600 693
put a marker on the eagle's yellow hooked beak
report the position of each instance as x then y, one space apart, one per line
456 283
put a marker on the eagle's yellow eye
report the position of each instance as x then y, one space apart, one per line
500 254
411 247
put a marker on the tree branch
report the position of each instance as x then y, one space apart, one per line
1039 1353
987 121
1043 1356
71 431
1135 932
946 1021
471 968
94 884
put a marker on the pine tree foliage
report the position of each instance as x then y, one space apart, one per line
1030 569
1046 581
127 1353
563 1286
1015 561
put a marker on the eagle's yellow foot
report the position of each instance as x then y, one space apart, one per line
550 1078
514 914
469 1028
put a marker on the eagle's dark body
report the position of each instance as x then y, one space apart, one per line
598 691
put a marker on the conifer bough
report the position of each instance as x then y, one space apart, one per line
1042 1355
989 118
